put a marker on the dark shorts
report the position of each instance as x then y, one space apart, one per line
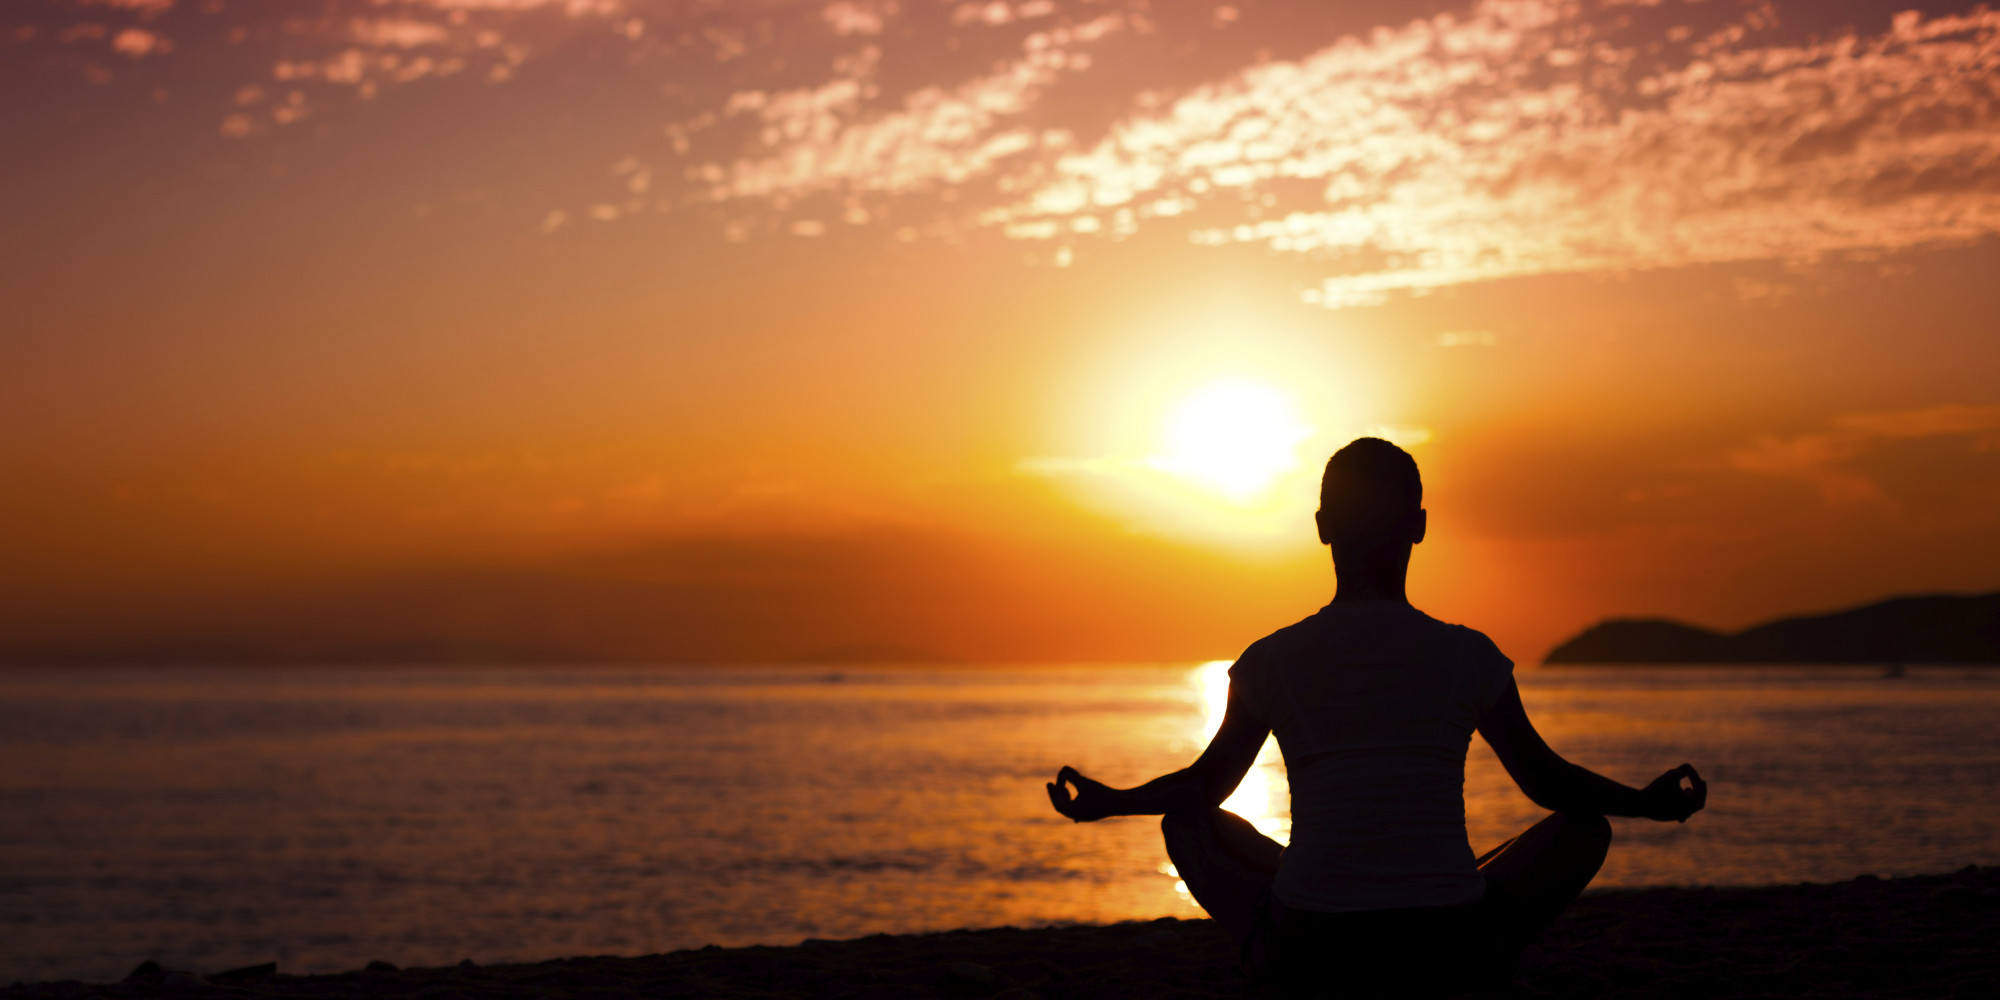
1423 951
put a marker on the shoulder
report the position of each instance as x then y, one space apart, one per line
1478 645
1472 644
1472 637
1481 659
1258 653
1261 657
1282 640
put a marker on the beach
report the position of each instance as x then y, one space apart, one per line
1920 936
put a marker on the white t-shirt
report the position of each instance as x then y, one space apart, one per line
1374 704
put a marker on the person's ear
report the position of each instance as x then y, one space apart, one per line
1319 521
1419 525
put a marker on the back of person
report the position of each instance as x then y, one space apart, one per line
1373 704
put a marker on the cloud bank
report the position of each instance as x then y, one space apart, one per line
1509 138
1826 459
1518 138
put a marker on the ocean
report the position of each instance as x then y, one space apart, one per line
323 818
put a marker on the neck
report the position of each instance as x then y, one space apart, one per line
1372 590
1380 579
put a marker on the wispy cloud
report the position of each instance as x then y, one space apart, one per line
825 138
1510 138
857 17
138 42
1825 459
329 52
1517 138
1467 338
1527 139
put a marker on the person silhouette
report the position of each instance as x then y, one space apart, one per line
1374 704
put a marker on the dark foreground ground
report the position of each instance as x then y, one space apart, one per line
1929 936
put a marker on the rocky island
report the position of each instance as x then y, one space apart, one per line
1930 629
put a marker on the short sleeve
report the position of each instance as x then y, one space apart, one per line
1249 680
1491 666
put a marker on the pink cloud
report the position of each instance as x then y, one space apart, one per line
401 32
823 139
1447 147
138 42
856 17
1517 138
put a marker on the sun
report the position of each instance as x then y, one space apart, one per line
1234 438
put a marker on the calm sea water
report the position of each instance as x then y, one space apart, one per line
324 818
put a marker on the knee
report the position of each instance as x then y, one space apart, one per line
1177 830
1175 824
1590 829
1187 826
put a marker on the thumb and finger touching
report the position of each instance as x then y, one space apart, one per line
1059 793
1689 799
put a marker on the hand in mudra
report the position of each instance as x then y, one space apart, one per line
1667 799
1091 802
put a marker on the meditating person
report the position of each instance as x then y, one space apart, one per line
1374 704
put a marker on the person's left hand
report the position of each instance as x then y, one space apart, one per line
1666 799
1091 802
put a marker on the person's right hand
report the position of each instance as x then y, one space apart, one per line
1667 800
1091 802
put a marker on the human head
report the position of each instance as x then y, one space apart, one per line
1370 499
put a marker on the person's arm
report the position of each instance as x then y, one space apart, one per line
1560 786
1200 785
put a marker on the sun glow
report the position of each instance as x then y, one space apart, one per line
1257 799
1210 428
1235 438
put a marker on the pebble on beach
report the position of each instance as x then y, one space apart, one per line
1926 936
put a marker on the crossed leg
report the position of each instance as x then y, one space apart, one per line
1225 862
1543 870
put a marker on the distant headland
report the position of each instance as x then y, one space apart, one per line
1936 628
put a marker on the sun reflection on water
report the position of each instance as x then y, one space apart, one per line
1263 798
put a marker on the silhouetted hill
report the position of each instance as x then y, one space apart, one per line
1940 628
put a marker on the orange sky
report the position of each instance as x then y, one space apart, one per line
658 330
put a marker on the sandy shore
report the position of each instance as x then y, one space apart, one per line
1927 936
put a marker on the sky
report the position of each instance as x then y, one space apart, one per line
650 330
